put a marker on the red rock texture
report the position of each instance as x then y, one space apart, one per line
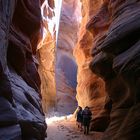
46 57
90 88
20 100
115 50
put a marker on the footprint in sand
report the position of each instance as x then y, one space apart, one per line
70 131
62 127
74 133
75 137
59 128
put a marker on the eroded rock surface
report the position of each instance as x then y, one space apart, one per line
90 88
115 29
21 115
46 55
66 68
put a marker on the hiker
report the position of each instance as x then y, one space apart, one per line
79 117
87 116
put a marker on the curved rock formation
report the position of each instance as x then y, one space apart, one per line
115 29
90 88
46 56
66 68
20 100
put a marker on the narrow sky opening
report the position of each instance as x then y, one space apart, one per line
58 5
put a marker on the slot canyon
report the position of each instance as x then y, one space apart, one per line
58 55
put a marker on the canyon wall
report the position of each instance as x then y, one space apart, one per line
46 56
21 115
66 68
90 88
115 50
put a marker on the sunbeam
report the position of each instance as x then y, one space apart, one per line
53 119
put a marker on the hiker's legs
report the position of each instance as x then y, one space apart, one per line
84 129
81 125
88 129
78 124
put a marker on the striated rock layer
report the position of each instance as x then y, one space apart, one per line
90 88
21 115
46 56
66 68
115 29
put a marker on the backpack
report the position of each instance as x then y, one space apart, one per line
87 114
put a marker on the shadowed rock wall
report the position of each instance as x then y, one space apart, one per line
66 68
115 50
21 115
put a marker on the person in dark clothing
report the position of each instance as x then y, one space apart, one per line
87 116
79 117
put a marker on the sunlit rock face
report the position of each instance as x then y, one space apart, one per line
90 88
46 56
21 115
66 68
115 29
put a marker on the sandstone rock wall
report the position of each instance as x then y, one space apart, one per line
90 88
46 56
66 68
21 115
115 50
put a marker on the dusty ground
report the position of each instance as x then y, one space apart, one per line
67 130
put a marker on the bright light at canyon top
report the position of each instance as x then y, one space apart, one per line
58 5
53 22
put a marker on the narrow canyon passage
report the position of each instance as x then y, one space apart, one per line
98 41
56 55
66 78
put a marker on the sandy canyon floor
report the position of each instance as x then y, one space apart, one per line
67 130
